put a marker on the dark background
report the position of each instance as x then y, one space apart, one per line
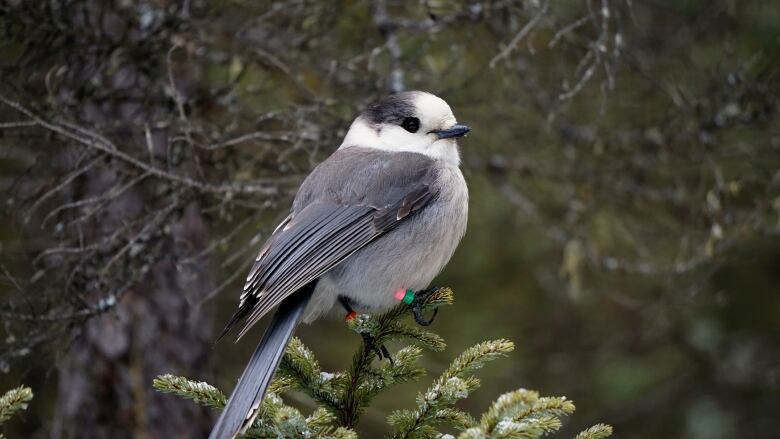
624 169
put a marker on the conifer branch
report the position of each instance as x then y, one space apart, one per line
523 414
202 393
14 401
598 431
455 383
302 370
360 383
342 397
275 419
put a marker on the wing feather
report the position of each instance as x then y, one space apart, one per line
307 263
287 244
327 227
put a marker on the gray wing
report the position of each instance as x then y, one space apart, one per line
352 198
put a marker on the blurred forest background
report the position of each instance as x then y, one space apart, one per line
624 169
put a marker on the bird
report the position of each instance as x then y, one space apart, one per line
384 212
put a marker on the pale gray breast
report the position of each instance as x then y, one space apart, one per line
411 255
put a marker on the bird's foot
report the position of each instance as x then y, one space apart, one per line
380 351
368 340
417 304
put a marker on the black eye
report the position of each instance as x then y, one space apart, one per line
411 124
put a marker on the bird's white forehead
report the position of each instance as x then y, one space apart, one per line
432 108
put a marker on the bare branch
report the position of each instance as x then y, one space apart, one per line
507 50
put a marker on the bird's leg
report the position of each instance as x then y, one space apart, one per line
416 305
347 304
386 354
368 341
381 351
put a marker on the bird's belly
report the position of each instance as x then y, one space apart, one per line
408 257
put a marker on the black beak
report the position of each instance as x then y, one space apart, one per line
455 131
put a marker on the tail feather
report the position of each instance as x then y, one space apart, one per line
237 316
242 407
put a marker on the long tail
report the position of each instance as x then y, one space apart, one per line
242 407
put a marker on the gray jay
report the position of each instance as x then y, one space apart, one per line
382 213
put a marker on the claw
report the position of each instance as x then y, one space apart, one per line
381 351
416 305
386 353
368 341
418 316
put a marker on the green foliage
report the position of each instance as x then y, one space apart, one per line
342 397
202 393
275 419
363 381
278 420
524 414
598 431
14 401
434 406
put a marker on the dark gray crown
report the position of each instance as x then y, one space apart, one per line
391 109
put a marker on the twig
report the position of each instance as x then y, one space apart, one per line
61 185
102 144
567 30
520 35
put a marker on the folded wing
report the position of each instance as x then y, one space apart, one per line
315 240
